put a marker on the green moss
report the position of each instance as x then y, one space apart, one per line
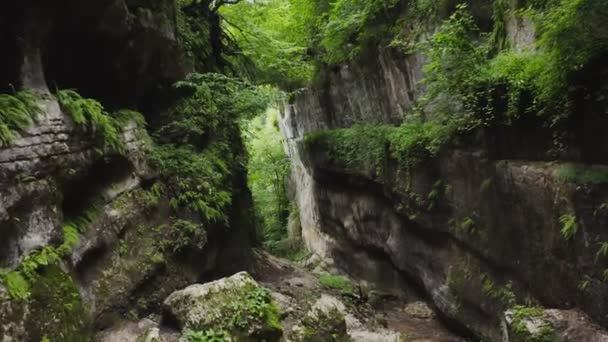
140 198
521 314
583 174
437 193
57 310
337 282
466 226
322 327
246 313
460 274
141 257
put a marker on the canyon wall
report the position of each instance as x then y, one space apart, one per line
55 176
475 229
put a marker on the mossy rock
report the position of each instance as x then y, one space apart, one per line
57 311
13 316
325 322
234 305
529 324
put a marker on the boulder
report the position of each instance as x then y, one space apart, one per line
324 322
523 324
236 305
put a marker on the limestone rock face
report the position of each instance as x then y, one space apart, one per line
36 174
124 54
489 241
236 305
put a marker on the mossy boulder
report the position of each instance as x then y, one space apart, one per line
528 324
533 324
236 306
324 322
13 315
54 310
57 309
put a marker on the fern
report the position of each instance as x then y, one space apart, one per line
90 114
17 285
569 226
602 251
16 114
18 281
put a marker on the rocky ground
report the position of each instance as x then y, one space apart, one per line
310 309
369 315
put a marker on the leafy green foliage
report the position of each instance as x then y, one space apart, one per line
348 25
210 335
583 174
466 226
466 82
257 306
18 287
184 233
91 115
19 280
413 142
209 103
362 146
273 35
420 17
454 88
199 181
193 33
571 37
268 169
503 294
237 311
569 226
17 112
200 147
603 250
366 147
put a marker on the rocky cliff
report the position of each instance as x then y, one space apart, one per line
90 233
491 221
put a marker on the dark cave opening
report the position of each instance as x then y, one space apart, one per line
83 192
9 40
90 67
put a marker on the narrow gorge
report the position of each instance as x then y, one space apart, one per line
304 170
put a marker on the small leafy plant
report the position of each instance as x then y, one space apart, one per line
569 226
